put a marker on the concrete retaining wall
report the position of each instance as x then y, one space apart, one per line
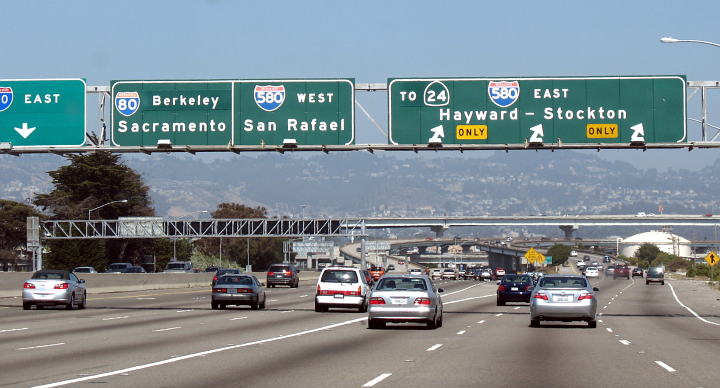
11 283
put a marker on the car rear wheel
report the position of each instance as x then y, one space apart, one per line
432 325
214 305
375 324
262 305
534 323
71 303
500 302
362 308
82 305
592 324
255 305
647 282
319 308
26 306
662 283
222 306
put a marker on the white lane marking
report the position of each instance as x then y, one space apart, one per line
199 354
377 379
517 307
304 296
273 300
182 311
169 328
110 319
483 321
609 330
600 320
625 342
497 315
434 347
461 332
609 303
665 366
689 309
9 330
466 288
287 311
604 307
600 313
235 319
470 298
145 298
41 346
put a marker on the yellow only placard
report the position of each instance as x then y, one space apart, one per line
471 132
712 258
602 131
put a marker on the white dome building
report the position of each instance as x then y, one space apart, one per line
666 241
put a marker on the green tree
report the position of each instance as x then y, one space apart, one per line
263 251
89 181
13 229
559 253
646 254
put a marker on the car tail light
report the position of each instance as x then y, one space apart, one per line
28 285
215 278
244 290
222 290
502 288
319 290
271 274
423 301
540 295
528 288
286 273
377 300
62 286
585 296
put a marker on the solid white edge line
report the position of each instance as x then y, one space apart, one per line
689 309
41 346
169 328
666 366
377 379
198 354
110 319
434 347
497 315
9 330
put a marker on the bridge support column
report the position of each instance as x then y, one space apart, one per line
439 230
569 229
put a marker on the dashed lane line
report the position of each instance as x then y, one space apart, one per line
666 366
113 318
498 315
434 347
377 380
168 329
609 330
41 346
11 330
461 332
625 342
483 321
470 298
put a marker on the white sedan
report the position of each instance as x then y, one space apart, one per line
592 272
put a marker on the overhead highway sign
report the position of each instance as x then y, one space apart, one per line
42 112
233 112
535 111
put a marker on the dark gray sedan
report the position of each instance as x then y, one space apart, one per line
238 290
405 298
52 288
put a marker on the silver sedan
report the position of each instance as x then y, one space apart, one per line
54 287
238 290
405 298
563 298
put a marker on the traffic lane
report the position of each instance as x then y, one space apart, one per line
99 346
652 322
504 351
305 358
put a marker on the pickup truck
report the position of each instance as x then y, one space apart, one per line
621 271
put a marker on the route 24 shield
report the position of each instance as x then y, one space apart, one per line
6 97
504 93
269 98
127 103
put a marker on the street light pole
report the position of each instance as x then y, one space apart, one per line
668 39
103 205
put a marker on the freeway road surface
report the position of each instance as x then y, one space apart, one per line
171 338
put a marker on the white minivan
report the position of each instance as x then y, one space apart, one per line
343 287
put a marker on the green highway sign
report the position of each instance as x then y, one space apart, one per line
233 112
42 112
616 109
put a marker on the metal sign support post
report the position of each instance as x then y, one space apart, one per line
363 246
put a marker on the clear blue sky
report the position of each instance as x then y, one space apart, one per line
367 40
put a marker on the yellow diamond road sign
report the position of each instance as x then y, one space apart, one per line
712 258
533 256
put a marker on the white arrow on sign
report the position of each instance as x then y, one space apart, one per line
638 133
25 131
537 134
439 133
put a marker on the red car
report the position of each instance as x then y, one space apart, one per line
621 271
377 272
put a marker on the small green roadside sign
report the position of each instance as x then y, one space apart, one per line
537 110
42 112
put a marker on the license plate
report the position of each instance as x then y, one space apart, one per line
399 300
513 288
561 298
339 296
232 290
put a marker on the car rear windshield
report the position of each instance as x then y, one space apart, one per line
50 275
240 280
224 271
278 268
339 276
591 269
117 266
82 269
175 266
549 282
516 279
389 284
654 271
449 270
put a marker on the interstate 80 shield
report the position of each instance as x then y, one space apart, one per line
6 97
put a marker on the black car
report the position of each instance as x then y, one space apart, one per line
637 272
655 275
285 274
225 271
514 288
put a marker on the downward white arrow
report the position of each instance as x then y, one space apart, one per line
439 133
537 134
25 131
638 133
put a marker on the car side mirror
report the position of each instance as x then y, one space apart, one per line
441 290
262 284
81 280
498 283
596 289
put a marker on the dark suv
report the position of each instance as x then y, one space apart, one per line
286 274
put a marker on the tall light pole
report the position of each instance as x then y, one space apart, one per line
106 204
667 39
